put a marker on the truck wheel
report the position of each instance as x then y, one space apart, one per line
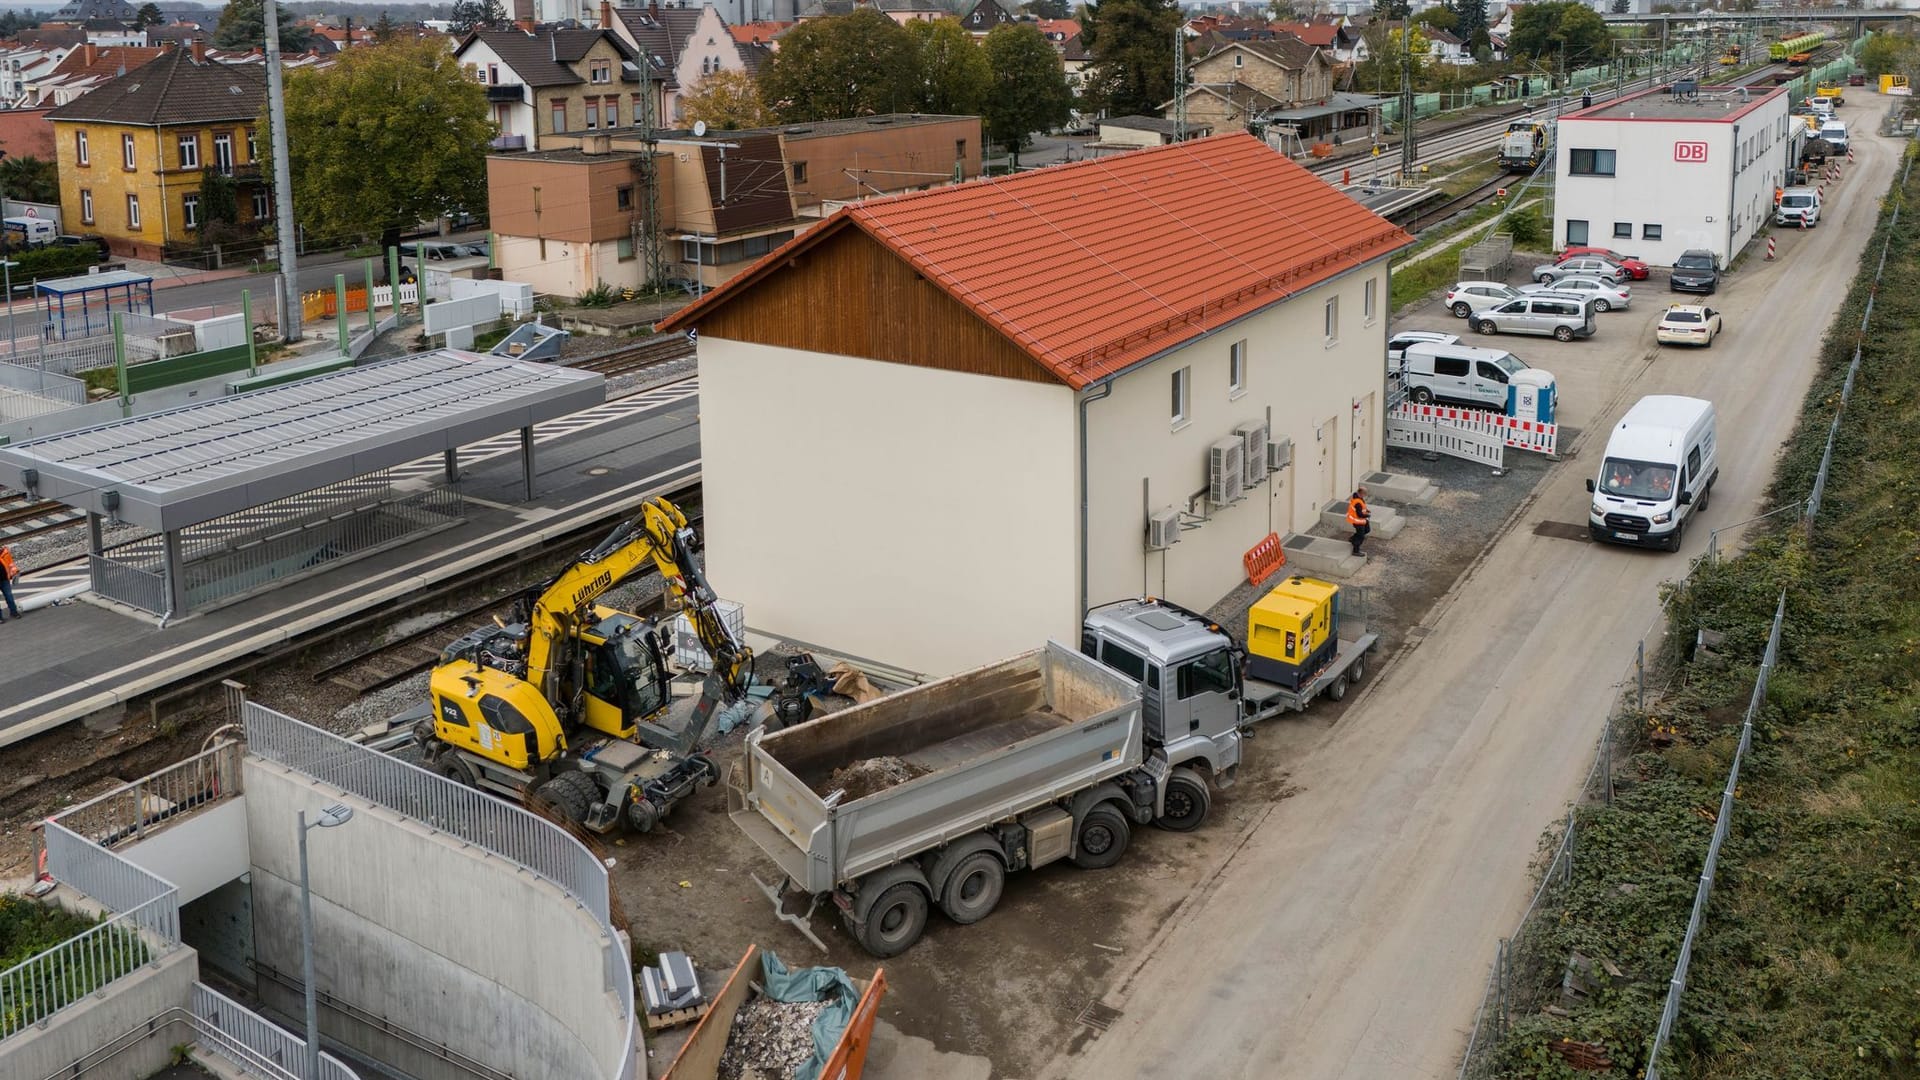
894 922
973 889
453 768
1187 802
1338 691
1102 838
1359 669
568 795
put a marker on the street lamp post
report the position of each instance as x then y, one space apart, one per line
335 815
6 272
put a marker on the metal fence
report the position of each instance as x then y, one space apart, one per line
31 379
148 901
253 1042
130 585
128 813
513 834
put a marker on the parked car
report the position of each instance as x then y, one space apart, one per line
1467 297
1562 315
1460 374
99 243
1580 266
1635 268
1605 295
1695 271
1688 324
1798 206
1397 344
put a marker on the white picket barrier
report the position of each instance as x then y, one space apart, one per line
1520 434
1428 434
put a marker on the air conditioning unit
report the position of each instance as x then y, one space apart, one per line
1253 435
1226 471
1163 530
1279 455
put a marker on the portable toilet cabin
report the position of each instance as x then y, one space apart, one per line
1530 395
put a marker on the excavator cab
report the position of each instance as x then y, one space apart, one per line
493 714
626 681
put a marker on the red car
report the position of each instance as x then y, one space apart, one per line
1635 269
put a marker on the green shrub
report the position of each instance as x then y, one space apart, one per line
53 262
602 295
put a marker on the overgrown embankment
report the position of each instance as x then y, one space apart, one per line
1809 964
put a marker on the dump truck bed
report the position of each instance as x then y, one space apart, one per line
869 786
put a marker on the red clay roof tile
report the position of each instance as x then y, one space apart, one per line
1095 266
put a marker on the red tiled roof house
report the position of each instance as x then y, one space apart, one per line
935 427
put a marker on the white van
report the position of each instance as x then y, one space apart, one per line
1462 374
1835 132
1659 469
1798 206
30 232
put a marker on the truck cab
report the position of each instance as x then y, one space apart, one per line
1189 673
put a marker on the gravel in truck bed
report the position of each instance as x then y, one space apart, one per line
769 1039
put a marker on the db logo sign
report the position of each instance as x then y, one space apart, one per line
1689 151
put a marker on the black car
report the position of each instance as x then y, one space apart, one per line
1694 271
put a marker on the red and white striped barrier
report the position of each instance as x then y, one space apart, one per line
1769 249
1515 432
1849 155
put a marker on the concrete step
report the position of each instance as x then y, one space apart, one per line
1321 556
1387 521
1403 488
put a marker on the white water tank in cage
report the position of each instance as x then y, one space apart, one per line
686 643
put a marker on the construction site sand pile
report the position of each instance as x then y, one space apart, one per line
770 1039
863 778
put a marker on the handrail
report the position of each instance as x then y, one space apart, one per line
126 812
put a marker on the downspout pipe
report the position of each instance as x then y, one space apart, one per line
1102 389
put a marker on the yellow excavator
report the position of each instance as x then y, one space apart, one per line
569 702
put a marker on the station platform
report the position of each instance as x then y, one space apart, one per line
74 660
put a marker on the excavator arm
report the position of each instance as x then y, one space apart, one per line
658 535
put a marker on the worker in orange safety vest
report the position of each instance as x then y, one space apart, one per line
1359 518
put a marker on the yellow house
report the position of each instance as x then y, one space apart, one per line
133 153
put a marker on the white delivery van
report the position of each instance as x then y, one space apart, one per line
1659 468
1835 132
30 232
1461 374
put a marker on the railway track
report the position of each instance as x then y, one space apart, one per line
657 349
23 517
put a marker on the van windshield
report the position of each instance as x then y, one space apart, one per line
1797 200
1632 479
1509 363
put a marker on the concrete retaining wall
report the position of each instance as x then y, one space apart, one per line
78 1030
199 852
430 935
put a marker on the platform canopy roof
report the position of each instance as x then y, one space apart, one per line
199 462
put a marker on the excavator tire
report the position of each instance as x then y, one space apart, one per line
572 793
453 768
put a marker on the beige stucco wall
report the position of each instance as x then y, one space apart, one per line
1308 387
924 519
567 268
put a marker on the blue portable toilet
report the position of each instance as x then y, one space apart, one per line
1530 395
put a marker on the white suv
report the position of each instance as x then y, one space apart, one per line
1467 297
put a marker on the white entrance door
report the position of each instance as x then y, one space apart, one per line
1363 454
1326 438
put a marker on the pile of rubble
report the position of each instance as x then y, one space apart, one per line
770 1039
863 778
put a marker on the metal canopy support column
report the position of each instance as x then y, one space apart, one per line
94 542
526 457
176 581
452 456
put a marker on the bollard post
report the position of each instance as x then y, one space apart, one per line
1640 674
393 278
246 326
340 312
373 320
1769 249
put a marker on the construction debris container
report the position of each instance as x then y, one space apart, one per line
699 1056
1291 632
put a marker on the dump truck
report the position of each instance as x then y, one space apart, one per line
929 797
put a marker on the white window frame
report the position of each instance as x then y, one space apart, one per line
86 206
223 154
1237 369
1370 302
129 157
189 151
261 197
190 209
1182 398
1331 323
133 211
80 148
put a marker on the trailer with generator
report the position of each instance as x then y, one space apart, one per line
1303 641
926 799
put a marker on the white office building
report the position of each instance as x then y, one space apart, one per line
1659 172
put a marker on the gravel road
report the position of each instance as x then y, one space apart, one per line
1350 936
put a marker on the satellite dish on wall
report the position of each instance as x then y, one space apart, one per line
699 129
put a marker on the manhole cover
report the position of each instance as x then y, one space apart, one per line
1563 530
598 470
1098 1017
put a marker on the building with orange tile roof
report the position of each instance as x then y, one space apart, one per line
998 384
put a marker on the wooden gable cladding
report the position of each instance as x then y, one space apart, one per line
850 296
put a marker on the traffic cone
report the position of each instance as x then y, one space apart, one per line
1769 249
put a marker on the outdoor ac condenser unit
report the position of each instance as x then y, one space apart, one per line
1163 530
1226 471
1279 454
1253 436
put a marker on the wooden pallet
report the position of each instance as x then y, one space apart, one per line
677 1017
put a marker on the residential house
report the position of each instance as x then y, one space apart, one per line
1074 58
1341 42
78 12
133 154
764 34
980 19
658 36
569 217
553 81
1284 68
86 68
1444 47
1058 32
21 66
1108 348
26 132
900 11
712 48
1225 106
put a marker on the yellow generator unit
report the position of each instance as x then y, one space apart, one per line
1293 632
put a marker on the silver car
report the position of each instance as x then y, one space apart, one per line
1562 316
1467 297
1579 266
1605 295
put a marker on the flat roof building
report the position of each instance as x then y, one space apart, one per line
1671 169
